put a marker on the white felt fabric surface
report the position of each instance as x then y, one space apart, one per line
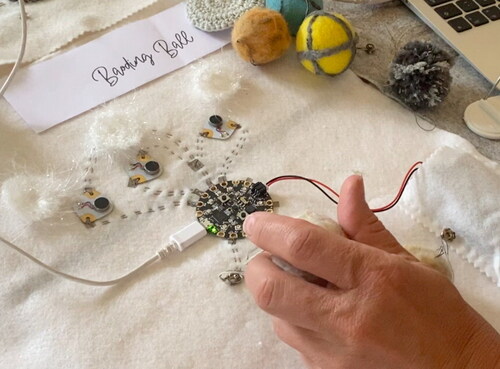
53 24
460 190
178 314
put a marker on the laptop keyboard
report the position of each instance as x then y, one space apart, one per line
463 15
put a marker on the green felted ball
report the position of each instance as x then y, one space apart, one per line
294 11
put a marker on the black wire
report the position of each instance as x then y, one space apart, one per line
330 198
304 179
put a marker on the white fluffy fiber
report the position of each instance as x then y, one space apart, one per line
217 81
322 221
33 197
428 256
114 130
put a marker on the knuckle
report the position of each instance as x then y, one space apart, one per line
280 330
252 271
359 327
327 314
360 331
356 267
258 232
300 243
391 275
286 334
266 294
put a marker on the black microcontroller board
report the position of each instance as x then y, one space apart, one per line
223 207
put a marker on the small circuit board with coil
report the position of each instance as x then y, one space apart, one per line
223 207
218 128
143 170
92 206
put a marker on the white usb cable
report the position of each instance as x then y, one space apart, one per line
24 34
178 241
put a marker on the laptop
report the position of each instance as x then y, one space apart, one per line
471 27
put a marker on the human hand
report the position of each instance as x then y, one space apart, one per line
379 308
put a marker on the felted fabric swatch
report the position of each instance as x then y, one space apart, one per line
460 190
53 24
178 314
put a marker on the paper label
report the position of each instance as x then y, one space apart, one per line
53 91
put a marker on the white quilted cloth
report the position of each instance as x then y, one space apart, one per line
178 314
53 24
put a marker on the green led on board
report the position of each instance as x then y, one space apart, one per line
212 229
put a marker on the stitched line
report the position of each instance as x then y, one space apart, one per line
89 169
234 152
170 194
177 148
200 145
178 143
236 257
157 208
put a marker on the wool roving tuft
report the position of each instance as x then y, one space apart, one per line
260 36
114 131
216 81
33 197
428 257
326 43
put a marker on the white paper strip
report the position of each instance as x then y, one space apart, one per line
50 92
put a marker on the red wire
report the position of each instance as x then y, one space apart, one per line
325 186
376 210
401 189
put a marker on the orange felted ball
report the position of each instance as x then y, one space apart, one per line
260 36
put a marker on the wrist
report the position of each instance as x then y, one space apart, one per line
481 348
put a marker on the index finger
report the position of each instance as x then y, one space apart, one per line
311 248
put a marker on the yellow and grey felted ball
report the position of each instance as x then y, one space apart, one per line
260 36
326 43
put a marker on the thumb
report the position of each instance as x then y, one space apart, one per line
359 222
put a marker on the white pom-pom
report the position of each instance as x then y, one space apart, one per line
31 197
114 130
217 81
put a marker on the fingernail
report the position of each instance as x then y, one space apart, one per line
248 224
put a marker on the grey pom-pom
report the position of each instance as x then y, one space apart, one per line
420 75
